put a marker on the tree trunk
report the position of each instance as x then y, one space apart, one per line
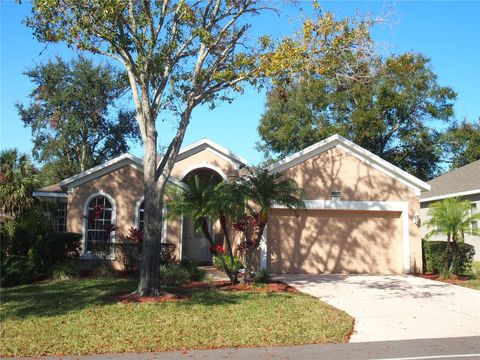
447 257
149 282
249 253
223 224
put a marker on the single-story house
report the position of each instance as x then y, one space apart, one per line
463 183
361 212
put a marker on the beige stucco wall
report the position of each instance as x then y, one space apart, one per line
336 170
203 158
125 187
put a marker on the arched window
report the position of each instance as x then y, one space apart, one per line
141 216
100 213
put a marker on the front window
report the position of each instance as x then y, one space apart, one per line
99 219
60 220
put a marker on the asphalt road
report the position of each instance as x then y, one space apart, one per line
464 348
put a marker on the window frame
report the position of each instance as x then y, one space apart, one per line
85 231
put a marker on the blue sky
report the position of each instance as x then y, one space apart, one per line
448 32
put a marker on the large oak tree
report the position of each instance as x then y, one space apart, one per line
389 106
177 55
75 116
182 54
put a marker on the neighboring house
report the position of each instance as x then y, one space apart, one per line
361 210
464 183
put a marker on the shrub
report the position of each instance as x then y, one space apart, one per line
128 254
435 255
65 270
105 270
262 277
174 275
167 253
217 262
22 233
196 274
17 270
475 271
53 248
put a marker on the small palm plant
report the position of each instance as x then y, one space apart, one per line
264 190
228 203
201 200
453 218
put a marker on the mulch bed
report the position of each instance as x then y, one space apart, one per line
436 277
132 298
274 286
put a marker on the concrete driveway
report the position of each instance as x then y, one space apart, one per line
396 307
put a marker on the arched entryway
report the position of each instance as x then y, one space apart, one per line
195 245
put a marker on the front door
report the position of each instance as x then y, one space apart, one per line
195 243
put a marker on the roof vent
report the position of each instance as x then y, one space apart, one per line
336 195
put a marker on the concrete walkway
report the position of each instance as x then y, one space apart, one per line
396 307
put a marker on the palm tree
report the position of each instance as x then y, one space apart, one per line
452 217
17 182
228 203
198 200
265 190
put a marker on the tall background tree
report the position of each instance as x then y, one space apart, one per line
179 55
75 116
462 141
388 106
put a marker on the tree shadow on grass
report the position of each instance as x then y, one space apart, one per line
58 298
214 297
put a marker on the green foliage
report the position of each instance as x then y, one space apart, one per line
73 116
21 234
18 180
128 254
32 249
65 270
128 249
262 277
17 270
228 260
436 255
266 189
174 275
105 271
453 218
53 248
475 270
463 142
387 112
191 267
263 189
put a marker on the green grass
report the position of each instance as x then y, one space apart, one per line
79 317
474 274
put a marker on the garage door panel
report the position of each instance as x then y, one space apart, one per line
335 241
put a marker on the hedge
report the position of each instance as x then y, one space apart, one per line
435 255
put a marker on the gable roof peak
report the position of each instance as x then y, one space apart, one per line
204 143
355 150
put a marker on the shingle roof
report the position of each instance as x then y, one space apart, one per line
464 179
52 188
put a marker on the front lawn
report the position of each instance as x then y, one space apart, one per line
80 317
